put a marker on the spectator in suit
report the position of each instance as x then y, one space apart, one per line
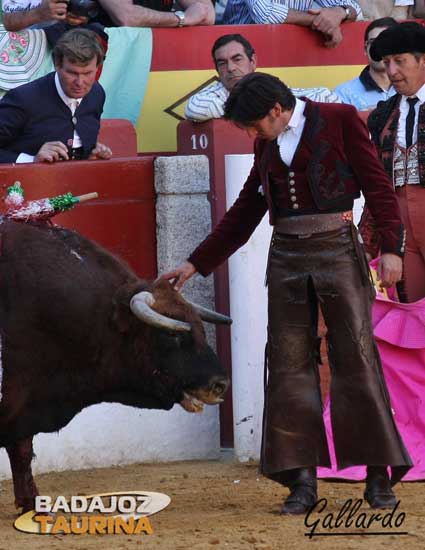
57 116
373 83
234 57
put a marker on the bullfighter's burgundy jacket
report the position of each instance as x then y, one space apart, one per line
334 161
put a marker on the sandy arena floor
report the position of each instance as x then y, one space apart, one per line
215 504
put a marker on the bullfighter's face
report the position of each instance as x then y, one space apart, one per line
406 72
269 127
76 79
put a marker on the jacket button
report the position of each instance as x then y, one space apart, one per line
291 174
292 190
295 206
293 198
291 182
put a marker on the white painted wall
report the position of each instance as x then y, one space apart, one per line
248 308
113 435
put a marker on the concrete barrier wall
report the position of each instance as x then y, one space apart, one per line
109 434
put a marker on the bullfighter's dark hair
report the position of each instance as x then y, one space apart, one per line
381 23
254 96
226 38
78 46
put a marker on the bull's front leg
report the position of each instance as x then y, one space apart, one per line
20 456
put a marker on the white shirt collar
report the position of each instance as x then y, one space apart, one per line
420 94
297 115
67 100
296 119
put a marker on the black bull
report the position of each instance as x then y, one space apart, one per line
78 327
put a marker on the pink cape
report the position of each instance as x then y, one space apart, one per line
399 331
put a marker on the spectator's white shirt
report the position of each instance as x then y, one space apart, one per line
209 103
19 5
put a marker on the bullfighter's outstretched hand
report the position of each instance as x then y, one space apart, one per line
180 275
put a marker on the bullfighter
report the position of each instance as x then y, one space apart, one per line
397 128
311 161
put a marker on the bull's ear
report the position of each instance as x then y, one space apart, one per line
122 316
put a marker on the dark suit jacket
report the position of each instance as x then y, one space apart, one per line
342 162
33 114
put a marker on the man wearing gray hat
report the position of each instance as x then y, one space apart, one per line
397 128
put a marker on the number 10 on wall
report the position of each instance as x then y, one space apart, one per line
199 142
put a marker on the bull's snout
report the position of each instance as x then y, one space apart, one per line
193 400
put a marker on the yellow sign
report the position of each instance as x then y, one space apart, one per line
156 127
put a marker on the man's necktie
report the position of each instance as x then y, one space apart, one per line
410 120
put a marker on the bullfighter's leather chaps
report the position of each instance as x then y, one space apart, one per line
327 268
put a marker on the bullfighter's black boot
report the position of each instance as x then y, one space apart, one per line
378 492
303 491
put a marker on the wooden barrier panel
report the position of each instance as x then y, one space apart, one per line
120 135
122 219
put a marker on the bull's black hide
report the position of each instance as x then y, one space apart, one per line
69 339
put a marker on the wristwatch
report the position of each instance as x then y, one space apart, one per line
347 12
180 17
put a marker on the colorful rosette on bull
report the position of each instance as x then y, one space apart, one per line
44 209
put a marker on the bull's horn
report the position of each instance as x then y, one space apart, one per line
211 316
141 305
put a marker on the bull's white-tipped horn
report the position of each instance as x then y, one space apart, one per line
141 305
211 316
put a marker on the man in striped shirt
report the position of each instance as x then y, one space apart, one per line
234 57
326 19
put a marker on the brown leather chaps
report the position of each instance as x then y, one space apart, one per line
330 269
